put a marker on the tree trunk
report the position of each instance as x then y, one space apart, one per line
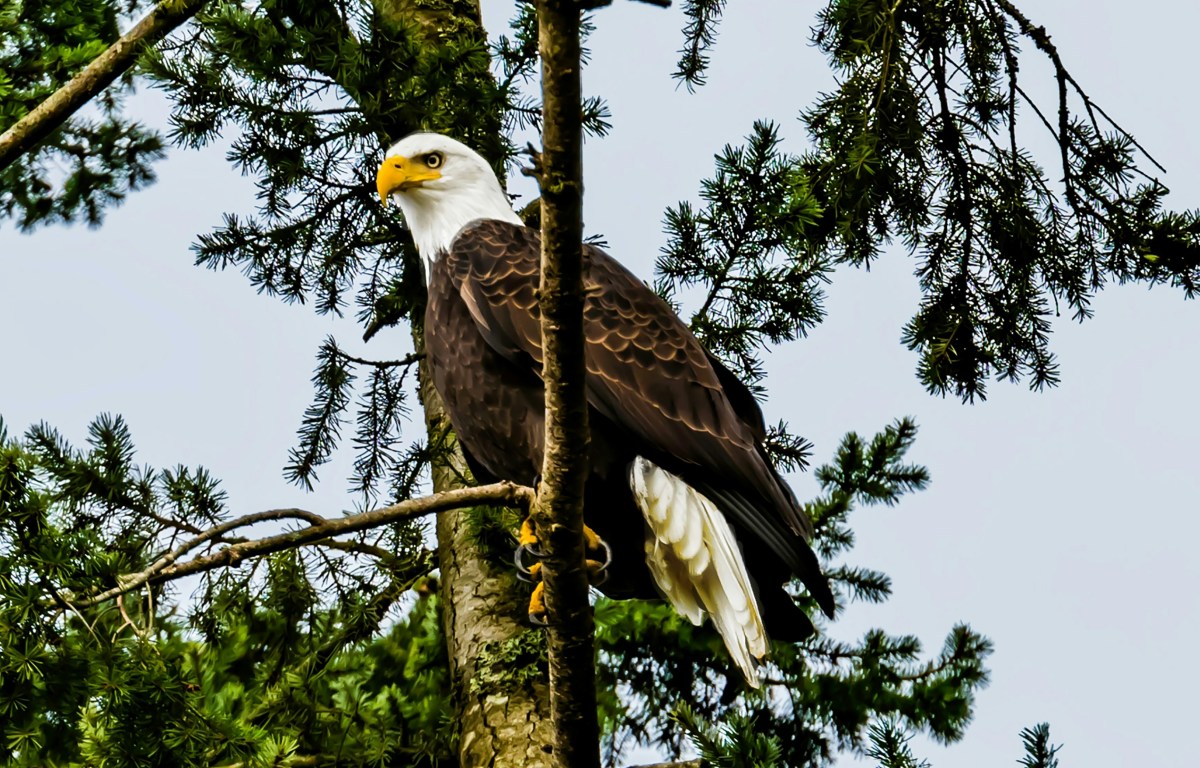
495 659
497 663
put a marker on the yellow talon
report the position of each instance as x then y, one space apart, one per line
527 538
592 541
537 603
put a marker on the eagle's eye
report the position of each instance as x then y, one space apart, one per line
434 159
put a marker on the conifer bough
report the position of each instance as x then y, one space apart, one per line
27 132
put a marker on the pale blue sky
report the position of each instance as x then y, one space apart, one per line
1061 524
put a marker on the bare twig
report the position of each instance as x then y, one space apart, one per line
134 581
405 361
126 621
384 556
166 569
95 77
1041 39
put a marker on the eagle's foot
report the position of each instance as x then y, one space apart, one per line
597 557
527 546
597 552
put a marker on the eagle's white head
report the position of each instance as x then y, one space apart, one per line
441 186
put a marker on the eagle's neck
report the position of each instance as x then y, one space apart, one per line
436 216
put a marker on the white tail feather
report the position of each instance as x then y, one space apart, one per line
696 562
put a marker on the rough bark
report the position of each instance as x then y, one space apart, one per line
504 710
95 77
558 513
496 663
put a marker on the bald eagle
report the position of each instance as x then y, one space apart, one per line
680 487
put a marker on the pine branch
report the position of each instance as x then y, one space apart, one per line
700 35
321 427
95 77
749 247
919 145
166 568
1039 752
558 513
889 745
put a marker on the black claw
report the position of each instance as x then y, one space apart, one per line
599 577
525 551
523 572
607 555
538 621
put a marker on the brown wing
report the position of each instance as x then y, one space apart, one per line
497 408
646 373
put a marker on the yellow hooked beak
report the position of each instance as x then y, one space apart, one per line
399 173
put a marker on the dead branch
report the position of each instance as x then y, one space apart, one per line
167 569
